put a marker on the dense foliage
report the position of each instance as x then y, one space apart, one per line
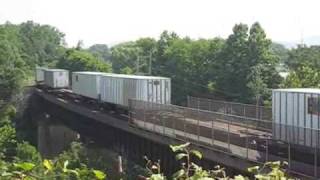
21 48
20 160
227 68
26 45
243 67
192 171
77 60
101 51
303 64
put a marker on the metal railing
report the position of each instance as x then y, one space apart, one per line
246 138
232 108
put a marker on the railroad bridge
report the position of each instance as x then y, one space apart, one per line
150 128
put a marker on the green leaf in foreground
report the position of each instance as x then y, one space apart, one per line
181 147
240 177
25 166
196 153
180 156
178 174
65 166
156 177
253 169
99 174
48 164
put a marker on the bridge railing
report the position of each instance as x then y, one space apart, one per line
232 108
244 137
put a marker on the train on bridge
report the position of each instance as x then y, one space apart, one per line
284 132
114 89
295 112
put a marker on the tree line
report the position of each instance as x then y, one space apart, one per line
244 67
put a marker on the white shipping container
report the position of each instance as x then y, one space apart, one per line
119 88
296 116
56 78
87 84
40 74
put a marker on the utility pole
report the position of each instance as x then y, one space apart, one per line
144 63
150 63
138 59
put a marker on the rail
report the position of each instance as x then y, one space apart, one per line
244 137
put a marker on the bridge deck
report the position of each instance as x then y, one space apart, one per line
239 151
215 143
245 139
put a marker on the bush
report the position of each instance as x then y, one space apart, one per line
191 171
27 153
8 141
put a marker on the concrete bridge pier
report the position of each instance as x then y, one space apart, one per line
53 137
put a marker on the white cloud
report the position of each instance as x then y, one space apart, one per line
112 21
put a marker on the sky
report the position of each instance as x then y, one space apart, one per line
114 21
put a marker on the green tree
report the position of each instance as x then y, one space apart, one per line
240 58
8 142
303 64
303 77
21 48
281 51
79 60
162 62
12 70
256 84
76 155
41 44
147 54
124 56
27 153
304 56
188 64
101 51
134 57
263 63
233 66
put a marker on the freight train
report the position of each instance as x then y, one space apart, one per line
295 112
114 89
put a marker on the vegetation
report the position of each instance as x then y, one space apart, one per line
77 60
243 67
101 51
47 170
20 160
192 171
303 64
206 66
